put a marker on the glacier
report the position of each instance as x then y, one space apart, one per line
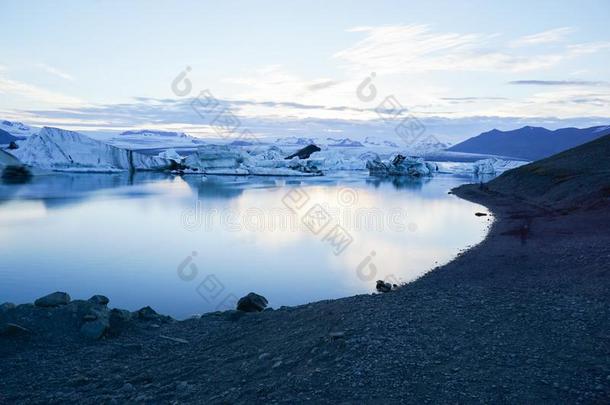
495 166
61 150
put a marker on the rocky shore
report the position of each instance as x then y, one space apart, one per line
523 317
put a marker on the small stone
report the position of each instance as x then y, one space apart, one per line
53 300
182 386
264 356
252 303
89 317
127 388
337 335
99 300
480 214
277 364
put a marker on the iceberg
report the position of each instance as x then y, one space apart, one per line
61 150
226 160
400 165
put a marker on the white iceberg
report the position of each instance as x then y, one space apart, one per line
60 150
227 160
399 165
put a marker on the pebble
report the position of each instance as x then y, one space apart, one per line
128 388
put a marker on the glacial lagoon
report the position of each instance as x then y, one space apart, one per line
189 245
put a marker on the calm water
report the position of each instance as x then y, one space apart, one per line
187 246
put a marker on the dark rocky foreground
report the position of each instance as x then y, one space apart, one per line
524 317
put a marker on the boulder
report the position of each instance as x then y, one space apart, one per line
6 306
94 330
53 300
99 300
147 313
16 174
252 303
304 153
383 287
13 146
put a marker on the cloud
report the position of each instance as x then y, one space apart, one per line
558 83
55 72
35 93
545 37
323 84
416 48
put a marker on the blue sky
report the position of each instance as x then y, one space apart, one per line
92 65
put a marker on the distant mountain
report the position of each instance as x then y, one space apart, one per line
371 140
529 143
152 139
149 132
6 138
343 142
292 140
17 129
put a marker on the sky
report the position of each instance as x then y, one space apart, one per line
301 67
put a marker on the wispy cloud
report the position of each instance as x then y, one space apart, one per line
545 37
416 48
558 83
35 93
55 72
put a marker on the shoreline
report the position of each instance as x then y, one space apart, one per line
521 316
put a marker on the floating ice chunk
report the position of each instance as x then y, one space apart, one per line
400 165
214 157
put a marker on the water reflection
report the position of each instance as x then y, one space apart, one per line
125 235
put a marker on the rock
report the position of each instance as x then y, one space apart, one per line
6 306
99 300
147 313
12 329
304 153
53 300
336 335
13 146
127 388
480 214
89 317
14 174
383 287
252 303
264 356
94 330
